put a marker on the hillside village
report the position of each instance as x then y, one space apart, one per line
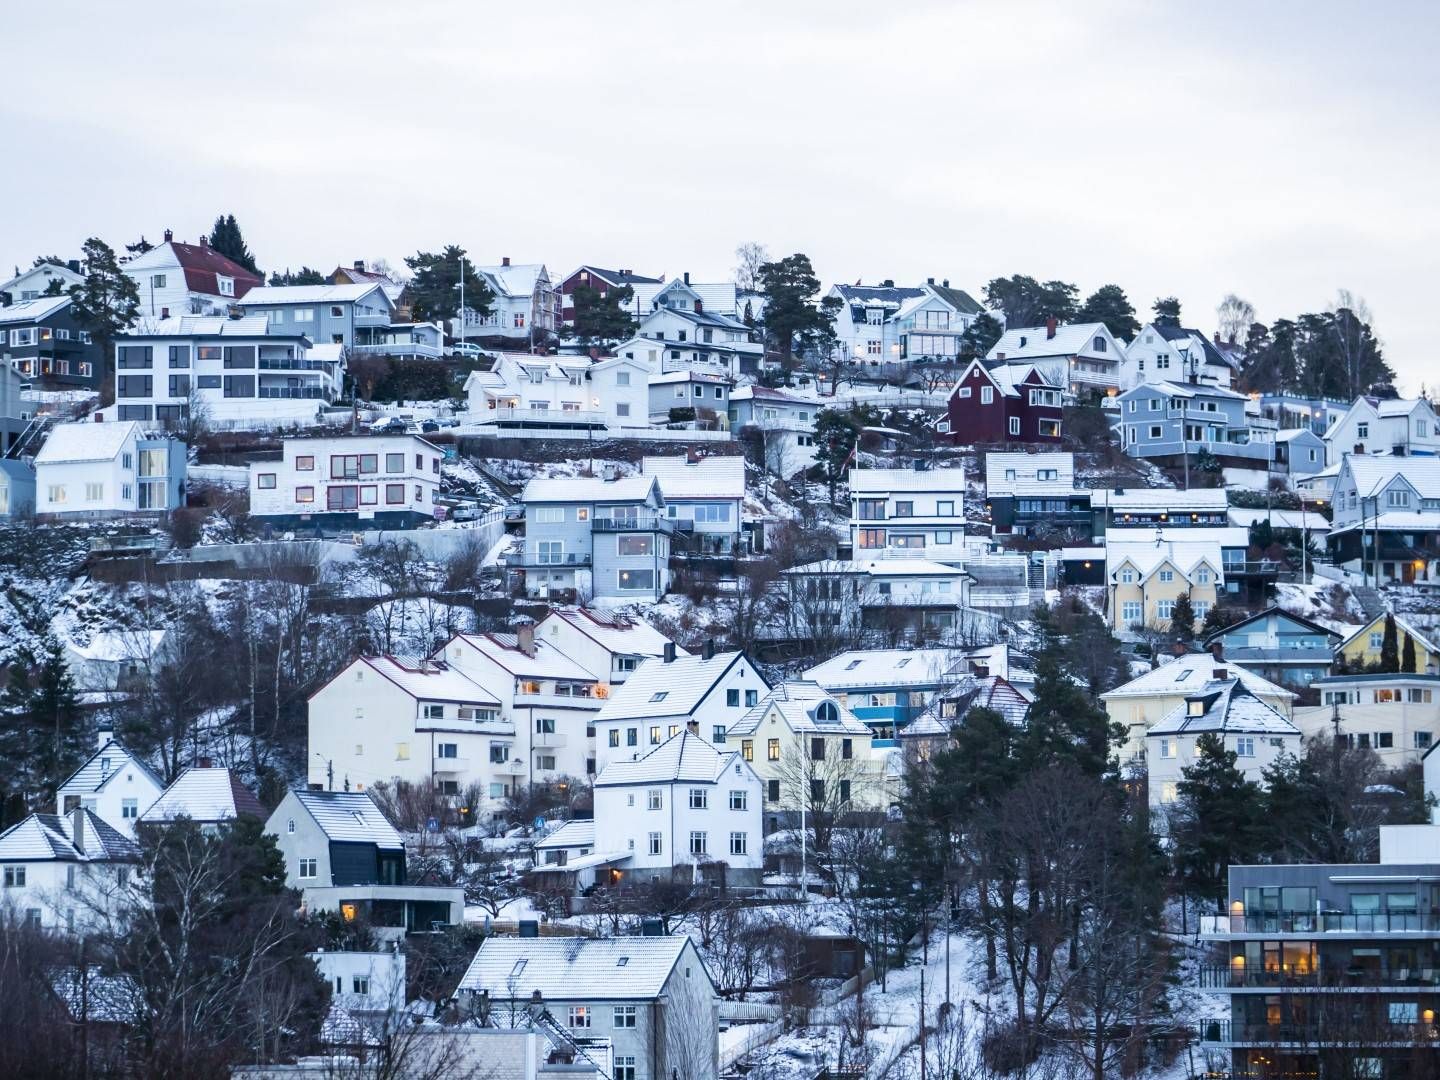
506 669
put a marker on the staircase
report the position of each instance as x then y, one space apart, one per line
1035 578
32 438
1369 600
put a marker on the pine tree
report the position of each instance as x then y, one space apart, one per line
1182 619
1065 726
107 302
1216 820
602 319
1389 647
1167 311
980 336
794 322
1110 305
433 290
1217 618
1407 655
227 239
42 719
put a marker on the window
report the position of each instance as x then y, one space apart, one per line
717 734
549 551
1245 746
699 798
448 750
624 1016
1167 575
14 877
580 1016
987 395
1130 612
738 843
633 580
129 809
655 799
751 696
817 749
1167 748
304 494
1049 429
265 481
634 545
1422 740
904 508
656 845
965 391
625 1067
1164 608
739 800
394 493
1362 430
632 736
307 868
94 492
1377 639
1014 425
772 749
698 843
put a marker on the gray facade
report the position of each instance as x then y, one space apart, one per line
1153 415
617 548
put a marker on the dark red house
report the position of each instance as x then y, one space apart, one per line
1004 403
599 279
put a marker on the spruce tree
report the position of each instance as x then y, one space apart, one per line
1216 821
42 719
603 319
1407 655
1167 311
107 302
1390 647
1110 305
1182 619
227 239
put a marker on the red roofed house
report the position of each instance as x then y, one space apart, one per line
1003 403
177 279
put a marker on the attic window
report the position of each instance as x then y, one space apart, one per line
1195 707
518 969
660 695
902 663
1184 674
618 963
852 665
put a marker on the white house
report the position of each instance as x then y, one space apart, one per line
208 795
1162 352
1084 358
336 482
110 659
1386 517
363 982
890 598
65 872
38 281
683 328
566 391
916 513
609 645
884 324
175 278
703 496
525 307
685 809
1385 426
402 718
358 316
114 784
651 995
721 297
663 696
1229 710
785 423
104 470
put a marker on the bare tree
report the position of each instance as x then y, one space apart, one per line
818 780
749 257
1233 318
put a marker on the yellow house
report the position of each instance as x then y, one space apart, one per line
810 752
1141 702
1362 648
1145 580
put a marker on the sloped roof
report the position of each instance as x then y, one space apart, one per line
203 265
879 481
1145 499
51 837
969 692
1185 390
206 326
577 833
889 295
1069 340
1212 354
587 489
888 667
1372 474
517 279
721 297
615 277
430 680
92 777
880 568
680 758
1230 708
350 816
78 442
1189 674
656 688
625 635
1273 609
575 968
547 663
798 704
33 310
959 299
204 795
1147 557
712 477
1401 628
1025 467
313 294
113 645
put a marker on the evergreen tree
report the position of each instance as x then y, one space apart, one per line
794 323
1167 311
304 276
1066 726
980 336
1216 820
227 239
1110 305
1027 302
1217 618
42 723
1389 647
107 302
836 435
139 247
603 319
1407 655
55 287
433 290
1182 619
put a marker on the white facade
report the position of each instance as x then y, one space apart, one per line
684 805
879 324
364 981
356 477
113 785
560 389
1084 357
1173 354
175 279
36 282
526 304
704 496
1375 426
101 470
915 513
610 646
67 873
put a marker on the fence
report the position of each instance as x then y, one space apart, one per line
607 435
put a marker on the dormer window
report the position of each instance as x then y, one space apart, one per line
227 285
1195 707
827 713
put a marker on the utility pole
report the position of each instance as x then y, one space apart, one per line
462 303
330 774
922 1023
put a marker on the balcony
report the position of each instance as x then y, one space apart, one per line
514 767
1328 922
549 739
315 393
1358 1033
635 523
1215 977
545 417
451 764
555 559
399 348
377 319
292 364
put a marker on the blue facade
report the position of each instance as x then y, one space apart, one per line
1280 647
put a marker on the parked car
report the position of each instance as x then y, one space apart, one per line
389 426
429 425
467 350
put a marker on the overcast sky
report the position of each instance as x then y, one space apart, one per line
1278 150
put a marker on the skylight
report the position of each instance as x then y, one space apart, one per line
852 665
902 663
660 695
1185 674
618 963
518 969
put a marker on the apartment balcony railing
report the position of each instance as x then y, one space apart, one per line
381 319
564 558
1327 977
636 523
1356 1034
398 348
451 764
292 364
583 417
514 767
315 393
1328 922
549 739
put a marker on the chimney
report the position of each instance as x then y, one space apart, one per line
708 652
1221 674
204 240
77 827
888 283
1359 448
1050 325
105 737
946 283
1217 649
168 236
360 265
980 671
693 727
205 763
669 652
699 304
594 352
929 281
687 277
73 265
505 260
525 635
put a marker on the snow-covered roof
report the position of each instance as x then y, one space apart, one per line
1151 499
1025 467
547 662
765 393
113 645
51 837
428 680
577 833
350 816
707 478
682 757
686 375
516 279
656 688
1031 342
72 443
880 568
587 489
880 481
33 310
1399 520
899 667
622 635
204 795
575 968
1225 708
204 326
968 692
1146 557
102 767
799 704
1372 474
1291 434
312 294
1190 674
720 297
1185 390
1245 517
